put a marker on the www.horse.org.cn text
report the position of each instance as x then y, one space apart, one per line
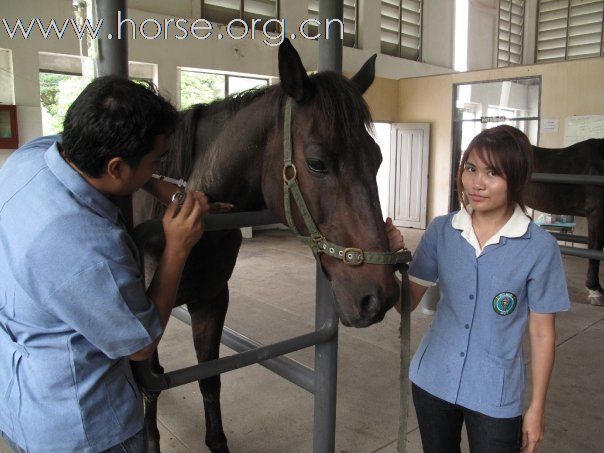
273 31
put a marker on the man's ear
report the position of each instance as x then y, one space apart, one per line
116 168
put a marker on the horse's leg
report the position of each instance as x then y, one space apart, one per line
595 241
207 320
204 287
150 399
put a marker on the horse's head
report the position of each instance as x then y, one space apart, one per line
336 161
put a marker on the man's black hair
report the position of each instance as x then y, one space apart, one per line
114 117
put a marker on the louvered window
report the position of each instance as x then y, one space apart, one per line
511 32
224 11
350 21
401 28
569 29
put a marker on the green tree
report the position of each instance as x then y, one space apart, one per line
199 87
57 92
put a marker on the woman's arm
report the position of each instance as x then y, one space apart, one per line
396 243
416 291
542 332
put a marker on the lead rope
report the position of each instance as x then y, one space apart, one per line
405 335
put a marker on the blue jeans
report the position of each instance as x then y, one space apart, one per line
134 444
440 425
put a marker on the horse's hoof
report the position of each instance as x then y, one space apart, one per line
218 445
152 447
597 301
596 297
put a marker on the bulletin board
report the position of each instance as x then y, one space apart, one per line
579 128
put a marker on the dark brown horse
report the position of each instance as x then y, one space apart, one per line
584 200
233 151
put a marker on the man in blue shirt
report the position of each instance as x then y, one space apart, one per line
73 307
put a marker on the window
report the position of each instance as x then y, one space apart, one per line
224 11
511 32
57 92
482 105
350 21
63 77
569 29
401 28
204 87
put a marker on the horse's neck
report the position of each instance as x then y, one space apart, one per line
231 149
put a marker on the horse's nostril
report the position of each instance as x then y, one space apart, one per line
370 306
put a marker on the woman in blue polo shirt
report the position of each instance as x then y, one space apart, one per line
498 272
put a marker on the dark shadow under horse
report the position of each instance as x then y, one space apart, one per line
232 150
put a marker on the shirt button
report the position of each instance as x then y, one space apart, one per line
462 354
467 326
471 296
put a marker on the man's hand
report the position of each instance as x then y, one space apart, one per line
395 237
532 430
183 224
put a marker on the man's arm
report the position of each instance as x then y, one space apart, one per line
183 228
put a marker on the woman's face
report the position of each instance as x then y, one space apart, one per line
486 190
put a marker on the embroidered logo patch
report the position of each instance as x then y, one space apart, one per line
505 303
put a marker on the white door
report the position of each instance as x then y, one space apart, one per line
409 147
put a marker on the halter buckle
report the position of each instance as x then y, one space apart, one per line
353 256
285 178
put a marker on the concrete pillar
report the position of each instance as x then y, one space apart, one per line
369 26
26 69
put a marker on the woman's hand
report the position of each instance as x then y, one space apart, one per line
532 430
395 237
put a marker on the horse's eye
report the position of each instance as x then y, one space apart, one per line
317 166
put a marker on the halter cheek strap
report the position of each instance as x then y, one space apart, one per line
317 242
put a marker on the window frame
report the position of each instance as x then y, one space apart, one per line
226 76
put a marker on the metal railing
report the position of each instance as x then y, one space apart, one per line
321 381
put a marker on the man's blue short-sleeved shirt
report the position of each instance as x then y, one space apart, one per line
472 353
72 306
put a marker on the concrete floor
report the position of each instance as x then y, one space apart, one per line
272 298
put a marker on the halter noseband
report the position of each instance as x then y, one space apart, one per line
317 242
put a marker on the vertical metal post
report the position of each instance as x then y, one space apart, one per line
326 370
330 44
326 354
112 59
112 55
405 333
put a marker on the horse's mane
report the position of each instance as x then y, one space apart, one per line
336 101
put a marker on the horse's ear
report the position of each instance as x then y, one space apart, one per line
294 80
364 78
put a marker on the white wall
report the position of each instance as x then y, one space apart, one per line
482 34
439 32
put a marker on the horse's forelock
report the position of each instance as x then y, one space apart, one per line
340 105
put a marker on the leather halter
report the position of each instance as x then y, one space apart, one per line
317 242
